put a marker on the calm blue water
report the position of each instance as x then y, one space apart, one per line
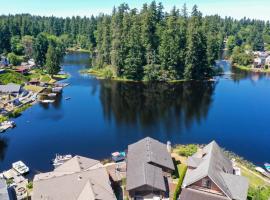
105 116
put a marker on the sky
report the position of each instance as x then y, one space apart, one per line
255 9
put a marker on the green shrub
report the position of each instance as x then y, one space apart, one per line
108 73
3 118
182 169
186 150
30 185
259 193
14 59
17 112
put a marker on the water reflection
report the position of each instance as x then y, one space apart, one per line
156 103
3 147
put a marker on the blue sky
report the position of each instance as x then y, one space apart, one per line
259 9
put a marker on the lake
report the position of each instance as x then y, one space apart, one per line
105 116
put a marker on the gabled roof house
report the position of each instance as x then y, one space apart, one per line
148 164
210 176
79 178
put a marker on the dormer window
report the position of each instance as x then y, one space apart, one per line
206 183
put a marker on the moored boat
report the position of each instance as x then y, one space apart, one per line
60 159
52 95
118 156
267 166
6 125
47 101
57 89
20 167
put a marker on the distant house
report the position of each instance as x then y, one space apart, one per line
79 178
22 70
148 165
10 88
3 61
267 61
210 176
258 62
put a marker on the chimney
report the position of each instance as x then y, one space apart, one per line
169 146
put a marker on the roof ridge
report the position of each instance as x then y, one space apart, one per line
95 183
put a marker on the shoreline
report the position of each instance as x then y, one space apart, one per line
98 74
250 69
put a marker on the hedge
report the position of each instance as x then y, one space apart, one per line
182 169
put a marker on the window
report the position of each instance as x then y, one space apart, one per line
206 183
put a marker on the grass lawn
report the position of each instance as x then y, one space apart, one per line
251 69
12 77
3 118
254 181
34 88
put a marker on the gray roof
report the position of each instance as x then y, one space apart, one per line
215 165
89 183
3 190
145 160
191 194
10 88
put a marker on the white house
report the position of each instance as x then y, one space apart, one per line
267 61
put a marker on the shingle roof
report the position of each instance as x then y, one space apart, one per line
140 159
215 165
190 194
3 190
10 88
90 183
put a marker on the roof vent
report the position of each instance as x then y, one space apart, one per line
79 178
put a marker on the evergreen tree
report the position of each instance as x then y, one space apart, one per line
133 62
40 49
5 36
196 60
52 60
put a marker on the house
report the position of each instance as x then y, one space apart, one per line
258 62
79 178
22 70
4 61
210 176
148 165
10 88
267 61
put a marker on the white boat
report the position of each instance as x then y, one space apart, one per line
47 101
60 159
6 125
52 95
57 89
20 167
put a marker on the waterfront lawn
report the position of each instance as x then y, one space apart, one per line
12 77
251 69
34 88
185 150
254 181
3 118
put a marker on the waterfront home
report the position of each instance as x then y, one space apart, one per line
10 88
258 62
22 70
210 176
267 61
149 164
79 178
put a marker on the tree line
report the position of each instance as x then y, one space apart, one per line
145 44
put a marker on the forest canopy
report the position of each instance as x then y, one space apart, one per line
146 44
